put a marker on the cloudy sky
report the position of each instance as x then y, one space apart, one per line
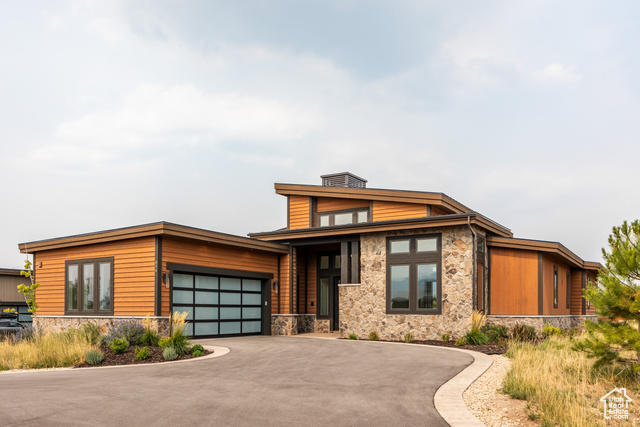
120 113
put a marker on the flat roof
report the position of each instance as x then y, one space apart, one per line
154 229
377 226
556 248
405 196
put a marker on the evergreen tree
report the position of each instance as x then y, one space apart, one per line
617 302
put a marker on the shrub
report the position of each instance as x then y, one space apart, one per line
92 332
93 357
178 339
129 329
445 337
170 353
25 334
523 333
550 330
476 337
496 333
197 350
461 341
478 320
142 353
373 336
150 338
119 345
408 337
353 336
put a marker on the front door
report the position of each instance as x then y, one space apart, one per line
328 281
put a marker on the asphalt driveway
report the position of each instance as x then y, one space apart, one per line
283 381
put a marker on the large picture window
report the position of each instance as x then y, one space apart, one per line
89 286
414 274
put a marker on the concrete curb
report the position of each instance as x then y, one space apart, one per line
217 352
448 398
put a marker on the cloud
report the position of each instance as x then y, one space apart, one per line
555 73
183 113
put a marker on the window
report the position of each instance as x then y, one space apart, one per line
555 286
568 289
414 274
351 216
89 286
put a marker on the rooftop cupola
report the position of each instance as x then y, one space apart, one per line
343 179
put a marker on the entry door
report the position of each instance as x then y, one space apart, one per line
328 281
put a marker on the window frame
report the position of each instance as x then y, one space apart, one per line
353 211
555 286
96 269
568 275
413 258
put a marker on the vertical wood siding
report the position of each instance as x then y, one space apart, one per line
9 288
385 211
576 291
215 256
133 271
514 281
298 212
326 204
547 285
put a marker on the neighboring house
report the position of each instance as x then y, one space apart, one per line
351 259
10 298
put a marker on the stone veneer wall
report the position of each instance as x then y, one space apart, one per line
538 322
292 324
62 323
363 308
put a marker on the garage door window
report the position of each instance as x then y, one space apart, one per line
218 305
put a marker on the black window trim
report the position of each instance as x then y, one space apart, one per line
80 263
413 258
353 211
555 286
568 276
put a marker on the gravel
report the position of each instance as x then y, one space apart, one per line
487 403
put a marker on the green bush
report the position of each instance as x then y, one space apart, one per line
476 337
461 341
353 336
550 330
523 333
119 345
150 338
496 333
373 336
93 357
408 337
170 353
197 347
142 353
445 337
92 332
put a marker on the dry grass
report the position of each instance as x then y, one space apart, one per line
478 320
560 385
50 350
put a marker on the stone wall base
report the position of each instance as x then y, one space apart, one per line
64 323
292 324
538 322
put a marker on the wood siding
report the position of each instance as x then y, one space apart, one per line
591 277
576 291
192 252
133 271
435 211
385 211
312 283
326 204
513 281
9 288
298 212
548 264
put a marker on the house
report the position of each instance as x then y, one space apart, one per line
351 259
10 298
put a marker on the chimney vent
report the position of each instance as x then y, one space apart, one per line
343 179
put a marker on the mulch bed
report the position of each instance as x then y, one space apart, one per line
486 349
129 357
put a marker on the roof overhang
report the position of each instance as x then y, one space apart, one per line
155 229
554 248
437 199
286 235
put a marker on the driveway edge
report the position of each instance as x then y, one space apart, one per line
448 398
217 352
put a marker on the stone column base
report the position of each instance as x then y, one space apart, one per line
292 324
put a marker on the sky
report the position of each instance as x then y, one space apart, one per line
119 113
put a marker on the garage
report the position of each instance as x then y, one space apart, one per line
220 305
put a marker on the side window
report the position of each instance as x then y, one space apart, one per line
555 286
89 286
